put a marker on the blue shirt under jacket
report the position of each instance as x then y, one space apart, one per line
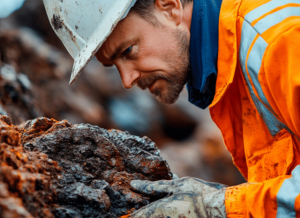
203 52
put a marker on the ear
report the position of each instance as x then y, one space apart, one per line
169 9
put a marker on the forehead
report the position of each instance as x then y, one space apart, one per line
126 31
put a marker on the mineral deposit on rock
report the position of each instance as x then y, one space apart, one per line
56 169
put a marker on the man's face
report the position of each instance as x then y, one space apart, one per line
152 56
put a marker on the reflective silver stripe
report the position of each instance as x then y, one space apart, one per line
275 18
265 8
254 64
287 194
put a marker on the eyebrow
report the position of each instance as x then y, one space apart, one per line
118 50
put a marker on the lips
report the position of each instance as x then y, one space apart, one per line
152 85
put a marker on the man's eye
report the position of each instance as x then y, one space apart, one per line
127 51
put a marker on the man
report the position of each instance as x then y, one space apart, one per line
240 58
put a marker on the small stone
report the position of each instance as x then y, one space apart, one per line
99 184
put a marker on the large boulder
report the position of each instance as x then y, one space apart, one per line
50 168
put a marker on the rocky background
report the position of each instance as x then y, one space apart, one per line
34 74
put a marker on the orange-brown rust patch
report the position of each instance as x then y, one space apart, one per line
129 213
126 216
9 133
24 180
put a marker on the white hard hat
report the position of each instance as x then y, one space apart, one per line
84 25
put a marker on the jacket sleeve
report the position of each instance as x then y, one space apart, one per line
278 197
280 79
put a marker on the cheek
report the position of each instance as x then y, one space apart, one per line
155 51
152 64
153 60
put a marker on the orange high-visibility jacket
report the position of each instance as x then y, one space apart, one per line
257 104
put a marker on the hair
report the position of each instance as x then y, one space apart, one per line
144 8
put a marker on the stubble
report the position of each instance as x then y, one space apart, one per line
179 63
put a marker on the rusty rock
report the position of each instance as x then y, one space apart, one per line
63 170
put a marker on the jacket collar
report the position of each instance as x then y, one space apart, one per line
228 50
203 52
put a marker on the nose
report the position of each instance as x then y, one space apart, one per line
129 76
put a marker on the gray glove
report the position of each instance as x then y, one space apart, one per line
186 197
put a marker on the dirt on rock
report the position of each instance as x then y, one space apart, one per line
56 169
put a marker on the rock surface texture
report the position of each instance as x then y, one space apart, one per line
56 169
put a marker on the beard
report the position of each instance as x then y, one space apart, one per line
179 63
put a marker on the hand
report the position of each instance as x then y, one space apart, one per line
186 197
